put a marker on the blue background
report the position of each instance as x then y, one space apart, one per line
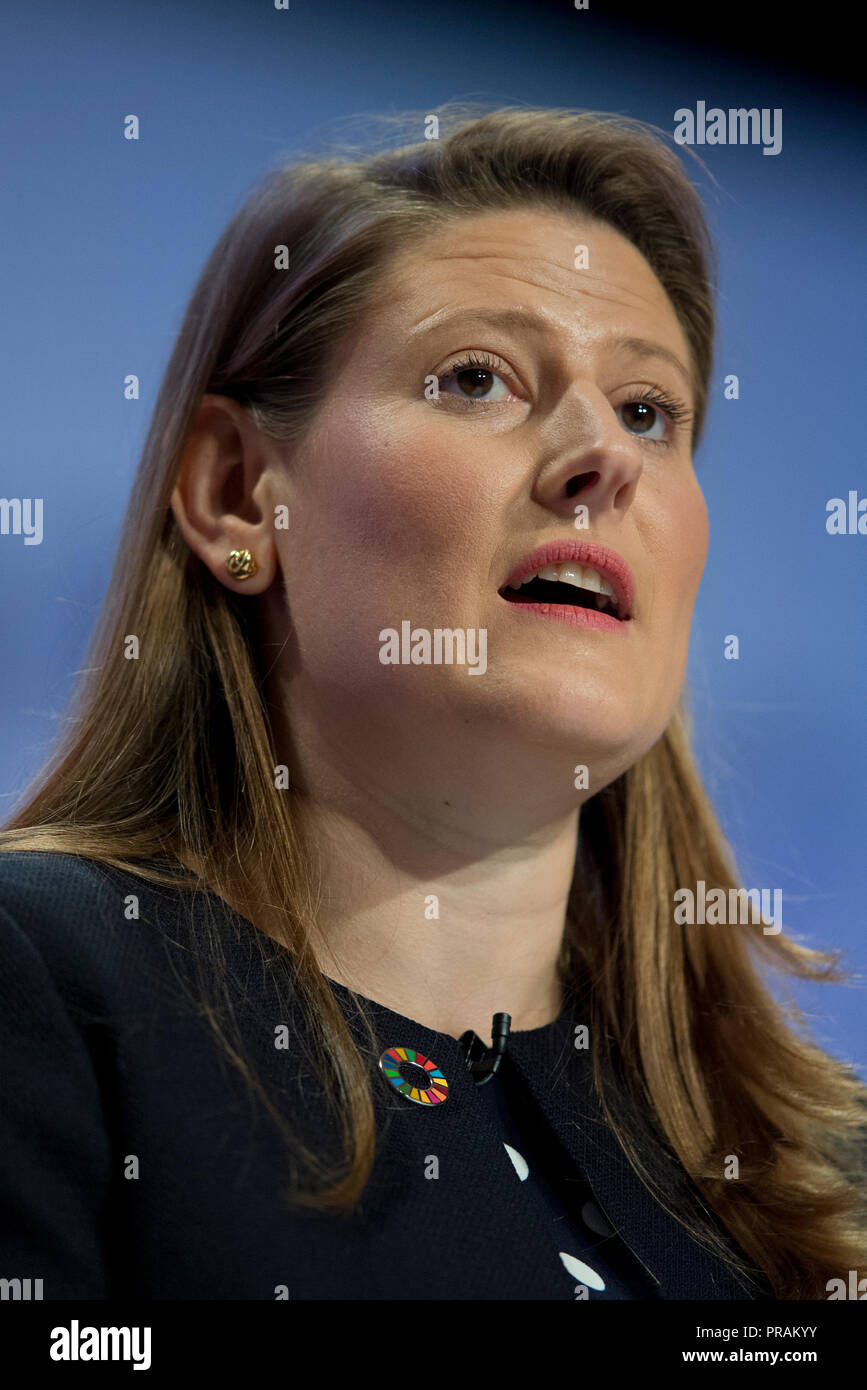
103 239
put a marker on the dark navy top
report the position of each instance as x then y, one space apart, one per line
593 1258
135 1161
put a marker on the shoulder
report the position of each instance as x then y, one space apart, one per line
39 885
78 919
33 866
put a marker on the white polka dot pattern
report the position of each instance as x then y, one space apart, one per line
590 1215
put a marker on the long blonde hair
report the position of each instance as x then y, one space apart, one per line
167 761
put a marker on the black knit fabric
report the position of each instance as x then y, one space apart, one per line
136 1163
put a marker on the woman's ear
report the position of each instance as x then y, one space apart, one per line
222 498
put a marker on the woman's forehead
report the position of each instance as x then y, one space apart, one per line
531 269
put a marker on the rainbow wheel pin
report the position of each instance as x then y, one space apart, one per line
413 1075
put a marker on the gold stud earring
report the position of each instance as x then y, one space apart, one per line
241 564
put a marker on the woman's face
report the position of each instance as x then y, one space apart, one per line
408 508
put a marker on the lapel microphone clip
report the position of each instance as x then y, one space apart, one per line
483 1061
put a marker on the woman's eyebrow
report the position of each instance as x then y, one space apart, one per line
529 319
646 347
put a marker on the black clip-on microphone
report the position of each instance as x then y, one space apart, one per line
483 1061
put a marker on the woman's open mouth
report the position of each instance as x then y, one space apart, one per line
571 593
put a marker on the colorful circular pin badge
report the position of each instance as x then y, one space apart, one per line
413 1075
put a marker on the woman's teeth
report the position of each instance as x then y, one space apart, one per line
580 576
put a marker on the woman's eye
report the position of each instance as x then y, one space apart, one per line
473 379
653 415
642 418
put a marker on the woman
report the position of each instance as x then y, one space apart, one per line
405 589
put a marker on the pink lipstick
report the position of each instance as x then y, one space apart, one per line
611 567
